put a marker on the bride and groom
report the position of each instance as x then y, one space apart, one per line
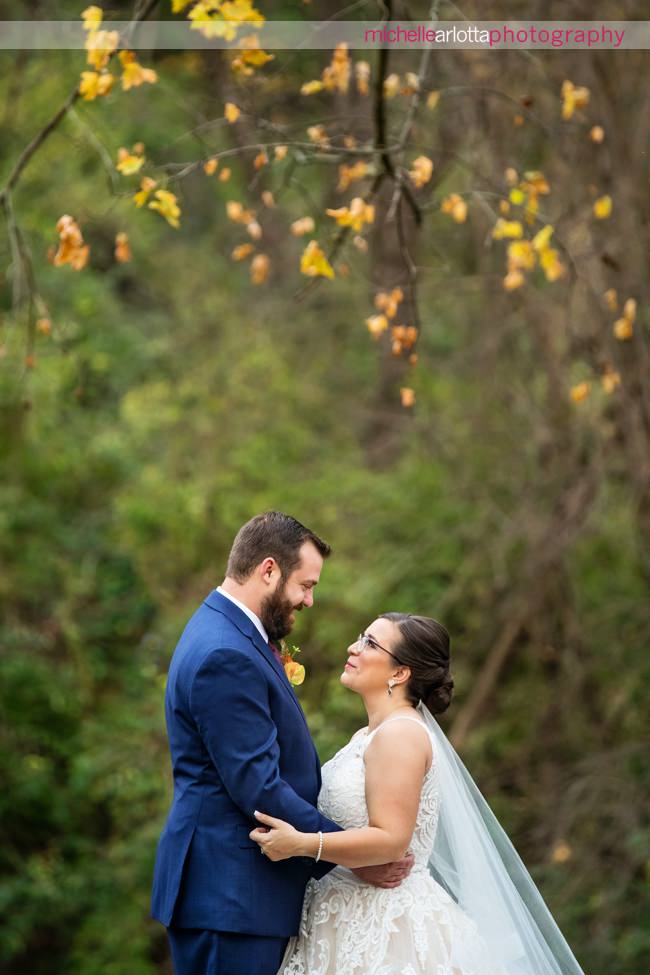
387 861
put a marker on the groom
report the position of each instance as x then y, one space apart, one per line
239 741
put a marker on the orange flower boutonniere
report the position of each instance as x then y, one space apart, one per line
295 672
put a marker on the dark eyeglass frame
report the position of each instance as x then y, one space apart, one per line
365 640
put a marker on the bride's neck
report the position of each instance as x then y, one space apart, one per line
379 710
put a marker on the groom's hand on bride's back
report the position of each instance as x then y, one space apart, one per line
387 874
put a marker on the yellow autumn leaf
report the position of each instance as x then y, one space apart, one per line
561 853
71 249
100 45
260 159
304 225
597 133
311 87
535 182
362 76
133 73
44 326
167 205
388 301
146 186
350 174
268 199
252 56
551 264
456 206
610 380
224 174
412 83
355 215
623 329
242 11
603 207
336 76
391 85
421 170
407 395
231 112
629 309
92 18
376 325
127 162
318 134
580 392
259 268
513 280
521 255
238 213
507 228
242 251
94 85
122 248
432 99
573 97
611 299
280 152
313 261
210 166
542 237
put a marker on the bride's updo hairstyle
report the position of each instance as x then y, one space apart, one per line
424 649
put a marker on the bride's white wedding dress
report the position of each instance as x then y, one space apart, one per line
352 928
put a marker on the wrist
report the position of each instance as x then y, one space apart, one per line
310 844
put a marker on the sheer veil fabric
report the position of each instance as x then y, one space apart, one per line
475 861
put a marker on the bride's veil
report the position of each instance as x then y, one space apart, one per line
473 859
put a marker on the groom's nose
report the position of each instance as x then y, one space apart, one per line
308 598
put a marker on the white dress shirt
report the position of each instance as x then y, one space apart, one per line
249 612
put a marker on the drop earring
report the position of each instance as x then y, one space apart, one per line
391 684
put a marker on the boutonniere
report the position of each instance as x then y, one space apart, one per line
295 672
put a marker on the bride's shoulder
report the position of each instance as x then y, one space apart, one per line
398 733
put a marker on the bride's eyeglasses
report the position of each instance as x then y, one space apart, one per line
364 640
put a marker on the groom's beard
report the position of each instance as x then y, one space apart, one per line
275 613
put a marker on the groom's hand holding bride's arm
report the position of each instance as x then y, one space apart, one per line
396 762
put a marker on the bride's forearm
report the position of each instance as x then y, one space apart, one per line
352 848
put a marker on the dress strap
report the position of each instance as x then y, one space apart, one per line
400 717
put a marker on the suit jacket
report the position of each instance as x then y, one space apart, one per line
239 741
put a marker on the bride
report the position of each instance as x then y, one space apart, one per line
468 907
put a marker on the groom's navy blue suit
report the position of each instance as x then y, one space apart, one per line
239 741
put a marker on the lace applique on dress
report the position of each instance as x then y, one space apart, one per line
349 927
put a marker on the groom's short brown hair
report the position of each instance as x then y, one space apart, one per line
275 534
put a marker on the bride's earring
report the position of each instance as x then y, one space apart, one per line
391 684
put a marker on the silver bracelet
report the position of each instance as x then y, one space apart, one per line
320 845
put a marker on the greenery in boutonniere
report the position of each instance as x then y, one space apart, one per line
294 671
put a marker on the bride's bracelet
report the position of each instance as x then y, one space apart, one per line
320 845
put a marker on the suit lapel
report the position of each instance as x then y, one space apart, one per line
246 626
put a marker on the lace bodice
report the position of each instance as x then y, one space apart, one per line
343 798
349 927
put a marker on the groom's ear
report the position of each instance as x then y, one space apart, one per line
268 569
